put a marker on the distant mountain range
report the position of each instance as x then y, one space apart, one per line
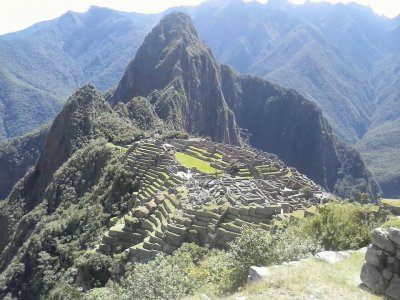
342 57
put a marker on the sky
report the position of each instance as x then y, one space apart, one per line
19 14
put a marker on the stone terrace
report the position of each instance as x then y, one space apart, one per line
175 204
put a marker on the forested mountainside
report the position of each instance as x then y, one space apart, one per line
17 156
119 183
342 57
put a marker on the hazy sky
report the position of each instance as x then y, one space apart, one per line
18 14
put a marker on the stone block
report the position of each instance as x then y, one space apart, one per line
394 235
141 212
257 274
252 211
151 206
176 229
147 225
381 239
387 274
225 236
375 257
372 278
243 211
393 264
393 291
332 257
131 221
267 211
172 238
192 236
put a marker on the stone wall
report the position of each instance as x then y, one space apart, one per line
381 271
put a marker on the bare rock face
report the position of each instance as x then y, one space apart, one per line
283 122
180 76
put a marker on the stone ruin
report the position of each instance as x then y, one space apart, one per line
175 204
381 271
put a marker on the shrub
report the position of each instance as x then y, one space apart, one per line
163 278
93 269
392 222
342 226
289 244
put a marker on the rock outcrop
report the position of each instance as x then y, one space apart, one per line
381 271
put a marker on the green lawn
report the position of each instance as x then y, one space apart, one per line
189 161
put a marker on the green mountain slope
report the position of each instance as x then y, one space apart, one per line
17 156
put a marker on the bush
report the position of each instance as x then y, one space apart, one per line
289 244
163 278
392 222
93 269
342 226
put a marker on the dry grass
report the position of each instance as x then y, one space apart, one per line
308 279
312 279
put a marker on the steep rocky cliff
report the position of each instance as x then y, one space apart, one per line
180 76
283 122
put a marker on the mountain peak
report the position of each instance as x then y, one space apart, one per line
181 77
176 23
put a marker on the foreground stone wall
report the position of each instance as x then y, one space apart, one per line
381 271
